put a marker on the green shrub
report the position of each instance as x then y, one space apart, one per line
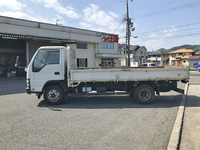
193 69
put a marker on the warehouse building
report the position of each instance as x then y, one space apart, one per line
22 38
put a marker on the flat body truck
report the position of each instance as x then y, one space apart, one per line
52 73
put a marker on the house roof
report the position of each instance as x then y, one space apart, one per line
157 53
132 47
194 57
197 52
140 48
182 51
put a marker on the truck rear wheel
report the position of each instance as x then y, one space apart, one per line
54 95
144 94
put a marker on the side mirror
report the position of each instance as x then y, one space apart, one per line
17 62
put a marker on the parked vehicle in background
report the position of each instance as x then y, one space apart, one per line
53 73
148 65
20 67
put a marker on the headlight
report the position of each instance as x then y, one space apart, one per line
28 82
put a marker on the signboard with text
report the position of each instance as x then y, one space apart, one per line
109 38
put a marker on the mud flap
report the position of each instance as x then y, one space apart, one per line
178 90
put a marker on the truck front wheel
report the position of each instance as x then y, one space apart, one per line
54 95
144 94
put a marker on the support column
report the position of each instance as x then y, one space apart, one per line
27 53
96 49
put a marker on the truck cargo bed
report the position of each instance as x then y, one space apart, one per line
129 74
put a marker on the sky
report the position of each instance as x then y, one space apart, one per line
158 24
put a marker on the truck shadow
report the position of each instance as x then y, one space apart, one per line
113 102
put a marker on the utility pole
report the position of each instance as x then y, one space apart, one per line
127 33
129 25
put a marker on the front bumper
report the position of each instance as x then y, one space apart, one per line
28 90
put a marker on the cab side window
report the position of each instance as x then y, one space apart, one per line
45 57
53 58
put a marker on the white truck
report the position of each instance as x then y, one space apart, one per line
52 72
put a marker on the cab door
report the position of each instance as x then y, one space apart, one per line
46 67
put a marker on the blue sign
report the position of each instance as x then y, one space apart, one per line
198 66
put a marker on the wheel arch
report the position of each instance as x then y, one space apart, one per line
150 83
153 84
60 83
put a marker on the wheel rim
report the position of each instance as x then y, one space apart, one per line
53 95
145 94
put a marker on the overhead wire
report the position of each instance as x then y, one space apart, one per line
180 26
103 8
194 30
118 26
116 2
186 6
170 37
110 5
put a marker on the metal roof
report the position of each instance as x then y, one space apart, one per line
36 38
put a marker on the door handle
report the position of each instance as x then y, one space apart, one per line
56 73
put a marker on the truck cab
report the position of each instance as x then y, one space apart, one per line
49 65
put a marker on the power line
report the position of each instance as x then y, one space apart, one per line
118 26
180 26
158 5
110 5
179 31
178 8
170 37
103 8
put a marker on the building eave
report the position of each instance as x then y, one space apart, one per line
36 38
104 55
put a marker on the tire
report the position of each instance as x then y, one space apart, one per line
54 95
144 94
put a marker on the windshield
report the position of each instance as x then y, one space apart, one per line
45 57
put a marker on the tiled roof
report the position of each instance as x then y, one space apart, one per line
182 51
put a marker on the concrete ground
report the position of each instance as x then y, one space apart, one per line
191 124
89 123
16 85
190 136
